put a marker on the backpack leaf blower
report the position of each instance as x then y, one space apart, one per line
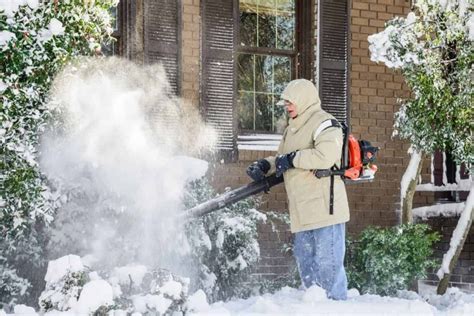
356 166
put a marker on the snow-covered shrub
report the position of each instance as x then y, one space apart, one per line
434 49
149 292
37 38
73 287
11 285
224 244
384 260
65 279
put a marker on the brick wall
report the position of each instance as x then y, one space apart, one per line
374 93
191 55
463 274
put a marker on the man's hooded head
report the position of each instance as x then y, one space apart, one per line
303 94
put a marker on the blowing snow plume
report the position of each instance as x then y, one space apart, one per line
117 153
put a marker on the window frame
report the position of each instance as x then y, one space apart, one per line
302 57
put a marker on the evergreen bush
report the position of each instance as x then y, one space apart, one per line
37 38
223 244
384 260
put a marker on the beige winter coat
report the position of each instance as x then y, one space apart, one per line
308 196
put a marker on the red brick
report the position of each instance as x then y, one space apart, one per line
368 91
360 52
384 108
360 114
360 98
377 23
359 83
384 77
377 69
377 84
393 9
360 6
359 37
368 122
368 14
367 76
385 93
368 30
378 7
360 68
355 13
394 85
377 115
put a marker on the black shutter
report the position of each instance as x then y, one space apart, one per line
334 57
162 32
218 70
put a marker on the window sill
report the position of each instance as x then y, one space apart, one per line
260 142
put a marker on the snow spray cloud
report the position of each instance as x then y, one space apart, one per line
118 154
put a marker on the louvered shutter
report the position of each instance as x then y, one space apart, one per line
334 57
162 20
218 70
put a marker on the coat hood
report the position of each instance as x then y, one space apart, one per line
303 94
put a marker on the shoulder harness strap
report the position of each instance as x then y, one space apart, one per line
324 126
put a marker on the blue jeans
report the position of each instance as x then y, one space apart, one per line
319 254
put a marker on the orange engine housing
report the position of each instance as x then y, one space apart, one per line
355 160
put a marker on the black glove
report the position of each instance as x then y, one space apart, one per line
284 162
258 169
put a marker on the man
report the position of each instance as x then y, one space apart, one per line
318 207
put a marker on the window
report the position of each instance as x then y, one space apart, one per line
266 56
250 50
111 48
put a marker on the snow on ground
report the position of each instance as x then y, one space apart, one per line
313 301
290 301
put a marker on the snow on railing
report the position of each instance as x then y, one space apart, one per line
443 209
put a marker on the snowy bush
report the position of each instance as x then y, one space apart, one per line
155 292
11 285
71 286
37 38
384 260
434 49
65 279
224 244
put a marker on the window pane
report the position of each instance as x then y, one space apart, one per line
248 24
262 78
245 105
285 22
263 112
263 73
281 73
285 5
114 15
266 24
245 66
279 113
